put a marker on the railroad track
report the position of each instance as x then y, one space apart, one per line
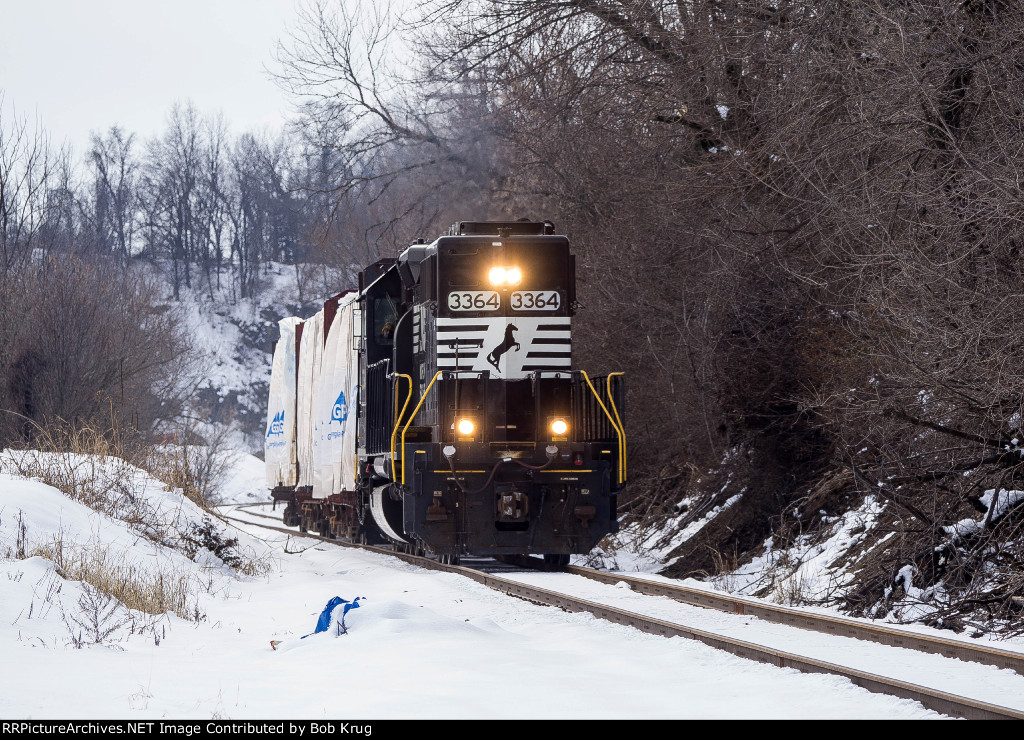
494 577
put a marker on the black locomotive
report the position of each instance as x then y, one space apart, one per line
437 407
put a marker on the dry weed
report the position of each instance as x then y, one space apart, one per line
725 564
135 588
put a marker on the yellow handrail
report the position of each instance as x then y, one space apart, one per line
621 429
413 416
610 419
398 419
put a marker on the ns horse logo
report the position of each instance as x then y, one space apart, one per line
494 357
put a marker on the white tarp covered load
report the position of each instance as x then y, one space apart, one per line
279 443
311 349
334 447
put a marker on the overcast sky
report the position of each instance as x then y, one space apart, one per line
84 65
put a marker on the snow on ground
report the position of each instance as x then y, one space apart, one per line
246 483
814 568
642 548
35 517
421 645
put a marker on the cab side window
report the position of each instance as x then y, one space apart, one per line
385 317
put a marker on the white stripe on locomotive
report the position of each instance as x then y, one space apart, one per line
507 347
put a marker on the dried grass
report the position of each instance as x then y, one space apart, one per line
135 588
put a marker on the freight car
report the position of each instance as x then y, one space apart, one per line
436 407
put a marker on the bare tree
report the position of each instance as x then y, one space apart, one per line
404 149
115 171
27 170
173 175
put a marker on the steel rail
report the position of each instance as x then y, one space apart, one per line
826 623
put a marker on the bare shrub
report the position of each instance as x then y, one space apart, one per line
98 617
19 548
85 341
196 465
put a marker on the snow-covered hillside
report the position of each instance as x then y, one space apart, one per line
234 341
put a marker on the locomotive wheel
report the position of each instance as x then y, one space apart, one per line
556 562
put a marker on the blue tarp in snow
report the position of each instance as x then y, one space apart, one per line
324 623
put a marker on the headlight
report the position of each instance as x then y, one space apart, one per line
505 276
559 427
464 427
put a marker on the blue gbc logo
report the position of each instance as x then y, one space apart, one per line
277 425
